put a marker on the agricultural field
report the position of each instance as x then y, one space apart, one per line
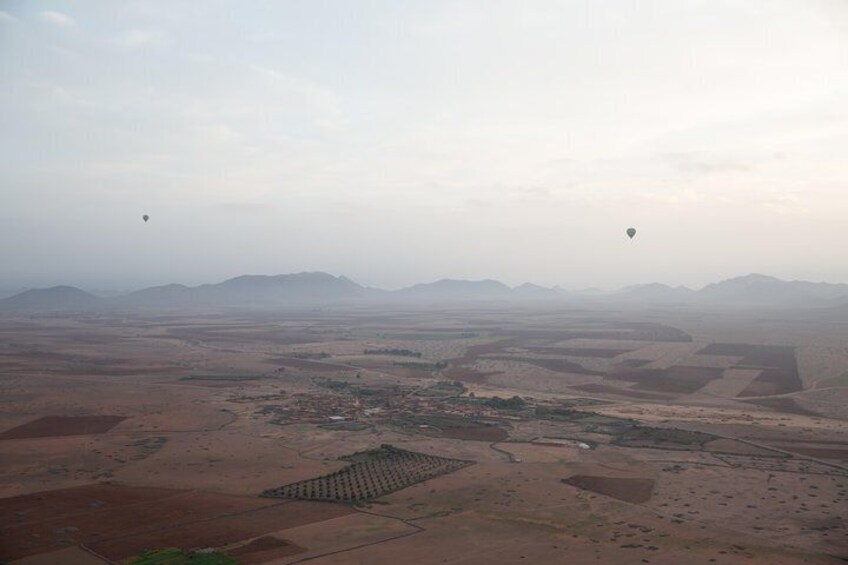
120 522
450 435
372 474
53 426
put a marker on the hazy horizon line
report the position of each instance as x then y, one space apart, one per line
13 288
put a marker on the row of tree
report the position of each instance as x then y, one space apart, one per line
374 474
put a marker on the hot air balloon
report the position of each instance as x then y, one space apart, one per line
631 232
145 218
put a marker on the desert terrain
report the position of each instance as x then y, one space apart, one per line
424 435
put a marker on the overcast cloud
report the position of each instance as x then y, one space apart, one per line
401 142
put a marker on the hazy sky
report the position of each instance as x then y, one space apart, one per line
399 142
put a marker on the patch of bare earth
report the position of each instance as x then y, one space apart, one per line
477 433
627 489
264 549
56 426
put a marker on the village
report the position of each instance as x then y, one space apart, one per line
445 406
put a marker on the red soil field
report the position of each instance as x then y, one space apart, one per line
223 529
771 382
264 549
56 426
41 506
120 522
477 433
780 375
677 379
626 489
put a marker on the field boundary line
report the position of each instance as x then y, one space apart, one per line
97 555
416 530
784 452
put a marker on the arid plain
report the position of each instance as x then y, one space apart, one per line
426 435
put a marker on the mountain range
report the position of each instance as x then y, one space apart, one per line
317 288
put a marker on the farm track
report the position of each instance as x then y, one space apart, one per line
510 456
97 555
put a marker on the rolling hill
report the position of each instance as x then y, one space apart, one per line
254 290
56 298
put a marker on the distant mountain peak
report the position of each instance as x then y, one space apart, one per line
457 289
763 289
657 292
531 286
531 290
60 297
753 278
253 291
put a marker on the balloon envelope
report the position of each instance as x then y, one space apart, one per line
631 232
145 217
